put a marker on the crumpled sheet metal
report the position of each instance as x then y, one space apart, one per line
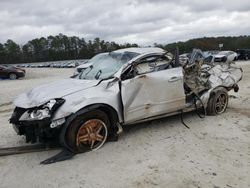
193 78
226 75
200 75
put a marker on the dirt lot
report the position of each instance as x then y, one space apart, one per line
214 152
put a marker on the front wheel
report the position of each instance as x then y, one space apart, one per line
218 102
88 131
12 76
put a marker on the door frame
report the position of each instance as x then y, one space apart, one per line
134 75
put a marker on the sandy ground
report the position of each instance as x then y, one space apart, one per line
214 152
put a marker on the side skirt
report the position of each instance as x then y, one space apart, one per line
187 109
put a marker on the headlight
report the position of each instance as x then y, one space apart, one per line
43 111
39 114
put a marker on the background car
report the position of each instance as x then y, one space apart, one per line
243 54
11 72
225 56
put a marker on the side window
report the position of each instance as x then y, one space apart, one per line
152 64
128 74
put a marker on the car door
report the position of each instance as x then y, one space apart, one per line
155 89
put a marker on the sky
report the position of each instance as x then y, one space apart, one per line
135 21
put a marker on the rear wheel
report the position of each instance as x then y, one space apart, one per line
12 76
88 131
218 102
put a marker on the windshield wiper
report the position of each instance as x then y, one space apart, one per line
98 74
91 67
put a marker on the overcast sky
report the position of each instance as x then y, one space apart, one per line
139 21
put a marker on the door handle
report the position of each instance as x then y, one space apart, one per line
174 79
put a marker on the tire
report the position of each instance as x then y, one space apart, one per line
218 102
88 131
12 76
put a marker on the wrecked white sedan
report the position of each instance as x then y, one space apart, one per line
120 88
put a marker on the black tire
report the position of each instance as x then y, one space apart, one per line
13 76
82 122
218 102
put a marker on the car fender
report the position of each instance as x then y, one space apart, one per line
110 111
89 97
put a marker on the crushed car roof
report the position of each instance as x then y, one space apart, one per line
141 50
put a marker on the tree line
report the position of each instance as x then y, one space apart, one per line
62 47
211 43
55 48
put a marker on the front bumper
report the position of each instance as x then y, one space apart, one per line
34 131
20 74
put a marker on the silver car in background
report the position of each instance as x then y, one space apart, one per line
225 56
120 88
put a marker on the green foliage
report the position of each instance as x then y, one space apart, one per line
211 43
62 47
54 48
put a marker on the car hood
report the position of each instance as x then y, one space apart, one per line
41 94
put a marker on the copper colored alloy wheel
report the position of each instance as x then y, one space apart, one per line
221 103
92 133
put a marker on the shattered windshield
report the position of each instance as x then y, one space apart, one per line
196 55
105 65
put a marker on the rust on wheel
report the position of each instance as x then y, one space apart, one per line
221 103
92 133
